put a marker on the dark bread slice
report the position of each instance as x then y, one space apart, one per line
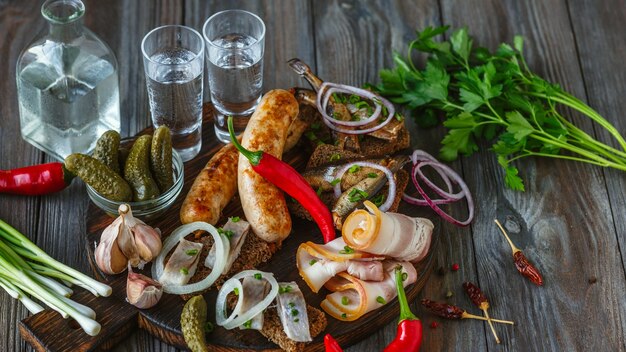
254 252
273 328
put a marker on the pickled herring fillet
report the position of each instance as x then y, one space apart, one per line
182 263
254 291
292 311
240 231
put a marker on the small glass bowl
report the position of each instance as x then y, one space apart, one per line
146 208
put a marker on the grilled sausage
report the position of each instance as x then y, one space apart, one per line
263 203
213 188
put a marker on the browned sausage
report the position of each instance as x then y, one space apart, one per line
262 202
213 188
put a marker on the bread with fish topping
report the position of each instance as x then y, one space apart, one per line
322 156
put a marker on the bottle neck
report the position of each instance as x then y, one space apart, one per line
65 18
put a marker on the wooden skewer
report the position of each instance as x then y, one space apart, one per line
493 330
472 316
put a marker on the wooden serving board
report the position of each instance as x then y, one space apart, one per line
47 331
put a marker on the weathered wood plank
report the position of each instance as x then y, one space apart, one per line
15 21
566 227
601 53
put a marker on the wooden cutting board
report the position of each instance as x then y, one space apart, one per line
47 331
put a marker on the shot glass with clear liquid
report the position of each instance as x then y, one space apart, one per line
235 43
173 58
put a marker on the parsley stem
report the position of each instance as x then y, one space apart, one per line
557 156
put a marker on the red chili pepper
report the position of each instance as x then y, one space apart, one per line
331 344
285 177
409 333
35 180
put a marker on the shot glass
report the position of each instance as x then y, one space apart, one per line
173 59
235 43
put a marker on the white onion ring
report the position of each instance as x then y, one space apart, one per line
455 177
235 320
222 251
323 97
391 195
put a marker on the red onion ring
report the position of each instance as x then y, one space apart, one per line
455 177
392 182
420 155
323 97
422 202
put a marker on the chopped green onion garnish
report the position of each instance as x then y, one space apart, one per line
208 327
319 191
353 98
335 157
235 219
345 300
296 320
356 195
313 261
399 117
335 182
248 324
346 250
343 315
184 271
258 276
380 300
354 168
378 200
372 175
236 291
294 312
284 289
291 304
191 252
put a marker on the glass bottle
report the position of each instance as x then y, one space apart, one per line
67 83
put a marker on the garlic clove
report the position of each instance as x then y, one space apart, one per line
108 254
148 242
142 291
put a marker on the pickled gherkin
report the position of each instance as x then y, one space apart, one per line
100 177
192 323
107 148
137 170
161 158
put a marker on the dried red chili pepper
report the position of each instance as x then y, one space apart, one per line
35 180
521 262
449 311
480 300
409 333
285 177
331 344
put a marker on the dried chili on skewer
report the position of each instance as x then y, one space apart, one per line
521 262
285 177
449 311
480 300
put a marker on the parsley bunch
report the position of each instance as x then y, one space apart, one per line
495 97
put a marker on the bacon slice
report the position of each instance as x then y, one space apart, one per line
389 234
352 298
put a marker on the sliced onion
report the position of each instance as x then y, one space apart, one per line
420 155
222 250
323 96
421 201
236 319
391 195
456 178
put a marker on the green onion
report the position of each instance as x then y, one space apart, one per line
356 195
296 320
313 261
354 168
335 182
258 276
184 271
248 324
378 200
208 327
346 250
380 300
191 252
343 315
236 291
335 157
25 269
345 300
284 289
372 175
294 312
291 305
228 233
235 219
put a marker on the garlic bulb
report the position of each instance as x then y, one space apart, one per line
142 291
126 240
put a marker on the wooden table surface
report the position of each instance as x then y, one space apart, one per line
571 219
